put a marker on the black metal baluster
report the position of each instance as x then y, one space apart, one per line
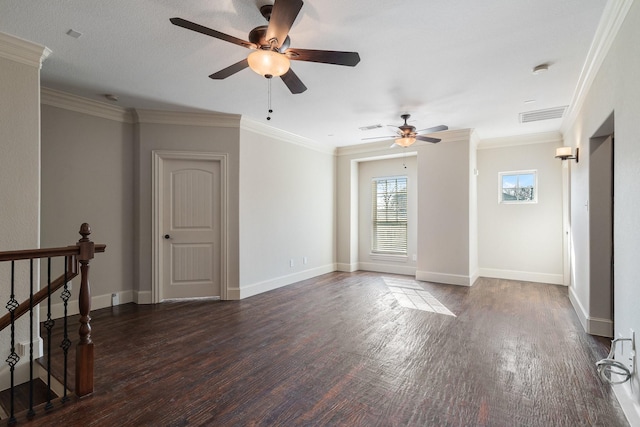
13 358
49 325
66 342
31 411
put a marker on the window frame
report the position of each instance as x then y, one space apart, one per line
502 175
377 249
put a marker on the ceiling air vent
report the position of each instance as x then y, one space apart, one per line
549 113
371 127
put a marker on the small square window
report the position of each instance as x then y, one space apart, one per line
518 187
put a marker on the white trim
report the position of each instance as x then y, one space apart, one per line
449 279
610 23
517 140
578 308
599 326
97 302
159 156
387 268
22 51
523 276
591 325
259 128
78 104
278 282
142 297
629 405
378 256
203 118
346 268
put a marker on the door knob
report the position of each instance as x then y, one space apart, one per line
166 236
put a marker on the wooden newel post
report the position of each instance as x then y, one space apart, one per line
84 349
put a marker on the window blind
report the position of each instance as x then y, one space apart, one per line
389 208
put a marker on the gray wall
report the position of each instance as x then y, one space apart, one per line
87 176
200 132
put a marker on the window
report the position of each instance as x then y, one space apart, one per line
389 215
518 187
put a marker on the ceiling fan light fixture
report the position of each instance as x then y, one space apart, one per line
268 63
405 141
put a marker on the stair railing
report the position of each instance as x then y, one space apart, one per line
76 262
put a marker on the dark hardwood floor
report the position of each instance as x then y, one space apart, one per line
347 350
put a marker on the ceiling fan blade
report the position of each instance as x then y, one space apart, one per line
209 32
428 139
324 56
434 129
293 82
230 70
283 15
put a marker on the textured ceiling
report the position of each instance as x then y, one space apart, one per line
463 63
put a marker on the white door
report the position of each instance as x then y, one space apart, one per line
191 228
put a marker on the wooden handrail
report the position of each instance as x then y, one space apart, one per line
77 264
45 253
72 271
38 297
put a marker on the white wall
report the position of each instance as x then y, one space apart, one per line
287 209
367 171
19 176
87 176
521 241
615 89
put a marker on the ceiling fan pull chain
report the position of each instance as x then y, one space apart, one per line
269 99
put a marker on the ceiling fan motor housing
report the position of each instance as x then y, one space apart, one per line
257 36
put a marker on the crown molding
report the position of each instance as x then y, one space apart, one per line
22 51
372 147
67 101
610 23
259 128
210 119
527 139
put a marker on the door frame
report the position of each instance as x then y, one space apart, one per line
159 157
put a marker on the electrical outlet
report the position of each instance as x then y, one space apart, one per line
291 263
304 259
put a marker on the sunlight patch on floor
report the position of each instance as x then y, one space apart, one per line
410 294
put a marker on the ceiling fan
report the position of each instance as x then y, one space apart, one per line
406 134
271 46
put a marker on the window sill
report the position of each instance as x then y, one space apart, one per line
389 257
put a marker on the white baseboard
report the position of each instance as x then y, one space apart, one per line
630 406
387 268
448 279
523 276
142 297
347 268
591 325
278 282
97 302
